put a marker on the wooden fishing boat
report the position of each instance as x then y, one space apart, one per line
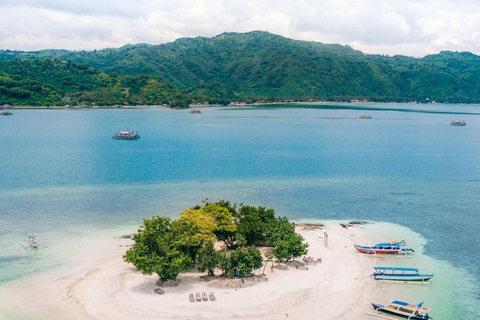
395 247
400 274
404 309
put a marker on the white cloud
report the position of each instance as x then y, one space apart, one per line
410 27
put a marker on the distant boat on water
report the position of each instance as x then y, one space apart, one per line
195 111
400 274
458 123
126 135
5 113
33 243
365 116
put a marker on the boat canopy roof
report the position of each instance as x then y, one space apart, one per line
394 244
419 306
396 269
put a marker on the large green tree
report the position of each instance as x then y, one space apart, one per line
280 233
250 225
243 261
253 223
208 259
225 227
162 247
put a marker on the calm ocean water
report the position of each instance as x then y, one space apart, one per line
63 176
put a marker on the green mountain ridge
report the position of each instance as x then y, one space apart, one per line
254 66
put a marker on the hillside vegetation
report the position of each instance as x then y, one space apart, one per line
249 67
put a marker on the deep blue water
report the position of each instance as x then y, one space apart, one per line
61 171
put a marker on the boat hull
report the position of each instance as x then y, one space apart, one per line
382 308
126 138
373 250
401 277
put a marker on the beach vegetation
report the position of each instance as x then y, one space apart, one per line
243 261
225 228
167 247
205 225
254 222
162 247
285 241
208 259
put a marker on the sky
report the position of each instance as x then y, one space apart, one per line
407 27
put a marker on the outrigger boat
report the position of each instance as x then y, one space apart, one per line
400 274
126 135
33 243
403 309
394 247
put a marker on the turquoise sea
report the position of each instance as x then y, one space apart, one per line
63 178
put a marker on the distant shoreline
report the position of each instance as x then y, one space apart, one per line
233 105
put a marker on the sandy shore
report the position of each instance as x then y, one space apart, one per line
337 288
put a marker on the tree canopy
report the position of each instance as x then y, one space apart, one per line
167 247
161 247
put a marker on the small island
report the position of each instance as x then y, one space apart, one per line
215 261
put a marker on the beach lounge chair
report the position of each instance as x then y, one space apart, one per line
204 296
191 297
198 297
212 296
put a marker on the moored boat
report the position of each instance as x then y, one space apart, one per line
400 274
195 111
458 123
5 113
365 116
404 309
126 135
33 243
395 247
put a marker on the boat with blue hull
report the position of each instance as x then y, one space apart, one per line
403 309
400 274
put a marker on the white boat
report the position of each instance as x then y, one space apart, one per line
33 243
126 135
400 274
394 247
403 309
365 116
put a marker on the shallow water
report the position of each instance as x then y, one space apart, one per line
64 178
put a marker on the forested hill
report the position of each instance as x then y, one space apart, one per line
259 66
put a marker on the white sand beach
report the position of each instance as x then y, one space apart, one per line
339 287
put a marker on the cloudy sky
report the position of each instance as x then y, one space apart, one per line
408 27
